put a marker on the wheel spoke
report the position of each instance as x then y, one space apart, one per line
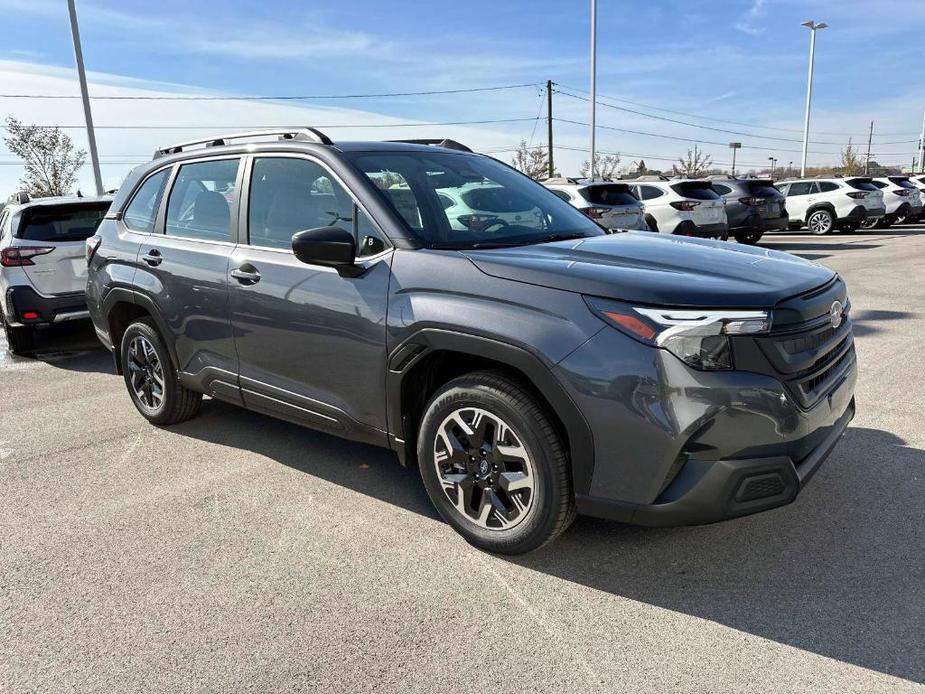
514 481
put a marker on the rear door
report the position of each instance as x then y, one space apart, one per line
798 199
63 228
184 269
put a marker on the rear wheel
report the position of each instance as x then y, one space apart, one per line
885 222
820 222
870 223
19 339
749 236
151 378
494 465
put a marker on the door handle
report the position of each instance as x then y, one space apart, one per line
153 257
246 274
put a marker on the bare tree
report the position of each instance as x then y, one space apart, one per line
50 160
605 166
533 162
694 165
851 163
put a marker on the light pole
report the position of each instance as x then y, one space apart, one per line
773 164
593 85
812 26
82 78
734 146
922 148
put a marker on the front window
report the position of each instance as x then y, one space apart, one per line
493 204
203 196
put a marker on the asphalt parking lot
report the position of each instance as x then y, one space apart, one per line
236 552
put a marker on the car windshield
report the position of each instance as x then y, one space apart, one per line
463 201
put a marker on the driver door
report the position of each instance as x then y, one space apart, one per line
310 342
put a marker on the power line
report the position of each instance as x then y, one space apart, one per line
219 128
723 120
707 127
282 97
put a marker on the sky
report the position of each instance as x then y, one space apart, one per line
671 73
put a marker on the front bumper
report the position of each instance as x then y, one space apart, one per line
21 300
677 446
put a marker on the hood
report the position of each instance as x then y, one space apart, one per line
658 269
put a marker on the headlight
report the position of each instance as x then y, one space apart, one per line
697 337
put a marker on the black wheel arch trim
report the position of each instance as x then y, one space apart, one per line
119 295
539 373
827 206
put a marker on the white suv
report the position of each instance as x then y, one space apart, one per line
43 268
826 204
611 204
902 199
684 206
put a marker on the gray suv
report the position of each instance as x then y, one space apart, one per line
530 369
753 206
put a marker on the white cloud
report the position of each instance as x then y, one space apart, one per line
750 23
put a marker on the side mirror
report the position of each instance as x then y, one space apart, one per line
328 246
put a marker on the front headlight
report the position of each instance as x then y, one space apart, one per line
699 338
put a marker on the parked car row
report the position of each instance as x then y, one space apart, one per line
420 297
744 208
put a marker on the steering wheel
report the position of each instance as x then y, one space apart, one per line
490 223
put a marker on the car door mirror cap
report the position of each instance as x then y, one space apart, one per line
327 246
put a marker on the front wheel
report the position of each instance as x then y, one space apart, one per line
494 465
151 378
749 236
821 222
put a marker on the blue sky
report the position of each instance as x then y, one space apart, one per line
721 61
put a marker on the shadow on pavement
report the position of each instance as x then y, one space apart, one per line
838 573
71 346
871 321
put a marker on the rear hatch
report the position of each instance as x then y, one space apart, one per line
874 199
710 207
496 202
613 205
768 200
63 228
913 196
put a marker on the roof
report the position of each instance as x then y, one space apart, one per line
59 200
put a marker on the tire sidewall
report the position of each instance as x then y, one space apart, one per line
144 329
533 530
831 222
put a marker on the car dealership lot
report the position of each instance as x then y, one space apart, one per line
240 552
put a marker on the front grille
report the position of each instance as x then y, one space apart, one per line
804 343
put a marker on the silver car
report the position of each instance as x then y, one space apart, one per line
611 204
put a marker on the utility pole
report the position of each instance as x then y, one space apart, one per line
734 146
812 26
552 167
85 97
593 87
922 148
870 138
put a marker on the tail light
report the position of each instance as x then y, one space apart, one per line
685 205
19 256
594 212
859 195
902 192
750 201
93 244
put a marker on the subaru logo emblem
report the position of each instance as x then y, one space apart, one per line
483 467
836 313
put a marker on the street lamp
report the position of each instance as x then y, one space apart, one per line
734 146
593 86
773 164
812 26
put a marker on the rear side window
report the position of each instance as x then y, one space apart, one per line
879 184
562 194
200 203
722 189
861 184
61 223
901 182
142 210
763 190
614 194
696 190
650 192
827 186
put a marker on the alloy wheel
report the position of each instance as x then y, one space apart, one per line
484 469
146 372
820 222
870 222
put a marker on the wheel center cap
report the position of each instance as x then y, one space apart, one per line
483 467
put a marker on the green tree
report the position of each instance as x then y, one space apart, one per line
50 160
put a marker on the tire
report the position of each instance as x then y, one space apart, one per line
749 237
885 222
148 370
651 223
466 474
870 223
20 340
820 222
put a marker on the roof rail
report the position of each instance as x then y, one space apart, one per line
302 134
435 142
563 179
651 177
19 198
